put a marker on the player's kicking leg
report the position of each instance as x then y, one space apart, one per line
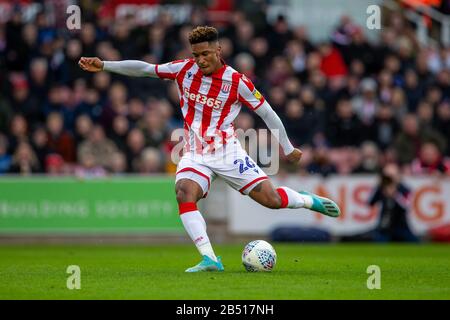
188 193
283 197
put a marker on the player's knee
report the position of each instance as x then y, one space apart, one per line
185 194
182 195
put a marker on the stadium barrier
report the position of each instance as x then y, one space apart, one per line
429 206
131 204
69 205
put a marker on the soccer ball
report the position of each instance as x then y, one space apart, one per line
259 255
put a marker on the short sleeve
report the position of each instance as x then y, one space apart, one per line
248 95
170 70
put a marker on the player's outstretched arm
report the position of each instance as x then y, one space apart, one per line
274 123
251 97
133 68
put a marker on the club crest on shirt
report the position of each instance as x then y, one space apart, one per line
226 87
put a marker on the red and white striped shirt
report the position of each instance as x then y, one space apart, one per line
209 103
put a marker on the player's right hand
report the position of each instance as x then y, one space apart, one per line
91 64
294 156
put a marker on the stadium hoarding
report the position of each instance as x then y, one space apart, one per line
71 205
132 204
429 206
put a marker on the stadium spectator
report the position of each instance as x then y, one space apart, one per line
280 71
24 160
413 89
119 132
150 161
118 164
88 168
442 122
39 79
101 82
71 69
296 56
83 126
18 131
116 104
320 163
5 158
39 142
244 121
425 115
13 28
370 159
443 82
259 49
344 128
279 35
54 165
244 63
430 161
6 114
58 96
292 87
332 64
366 104
277 97
433 95
399 104
39 74
359 48
135 146
22 101
154 127
227 48
393 198
411 137
99 147
136 110
301 124
88 37
384 127
60 141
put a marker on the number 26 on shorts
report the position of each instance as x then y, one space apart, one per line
245 165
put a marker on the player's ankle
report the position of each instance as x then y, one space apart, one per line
308 200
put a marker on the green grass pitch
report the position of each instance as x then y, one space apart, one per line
303 271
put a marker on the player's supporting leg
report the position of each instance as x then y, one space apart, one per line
283 197
188 193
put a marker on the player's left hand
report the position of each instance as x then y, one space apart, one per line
295 156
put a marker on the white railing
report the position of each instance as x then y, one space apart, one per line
415 15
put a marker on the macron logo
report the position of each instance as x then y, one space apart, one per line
189 74
198 239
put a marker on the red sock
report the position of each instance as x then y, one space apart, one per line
187 207
284 197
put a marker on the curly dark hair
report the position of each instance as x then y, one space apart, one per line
203 34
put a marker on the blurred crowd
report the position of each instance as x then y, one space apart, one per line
351 105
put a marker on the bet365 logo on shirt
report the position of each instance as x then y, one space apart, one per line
201 98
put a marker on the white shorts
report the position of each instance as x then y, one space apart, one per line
233 165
